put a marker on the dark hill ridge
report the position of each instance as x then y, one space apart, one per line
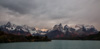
6 38
55 34
92 37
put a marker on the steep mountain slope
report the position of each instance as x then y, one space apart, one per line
58 31
68 32
18 30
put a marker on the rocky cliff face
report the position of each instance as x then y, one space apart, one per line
58 31
66 32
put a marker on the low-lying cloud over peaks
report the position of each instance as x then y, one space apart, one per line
46 13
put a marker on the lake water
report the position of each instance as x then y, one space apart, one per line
54 44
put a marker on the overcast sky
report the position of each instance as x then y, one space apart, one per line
47 13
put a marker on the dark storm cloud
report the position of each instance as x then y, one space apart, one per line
46 13
21 6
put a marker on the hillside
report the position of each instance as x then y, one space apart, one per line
6 38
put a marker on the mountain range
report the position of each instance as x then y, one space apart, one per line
58 31
68 32
20 30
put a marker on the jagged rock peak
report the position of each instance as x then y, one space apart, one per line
8 23
66 27
58 27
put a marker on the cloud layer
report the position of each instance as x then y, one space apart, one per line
46 13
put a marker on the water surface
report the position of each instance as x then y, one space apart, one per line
54 44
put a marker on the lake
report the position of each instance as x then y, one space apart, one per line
54 44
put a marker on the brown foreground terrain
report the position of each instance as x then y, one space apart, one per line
6 38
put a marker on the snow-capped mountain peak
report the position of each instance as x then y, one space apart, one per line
23 30
8 24
58 27
84 27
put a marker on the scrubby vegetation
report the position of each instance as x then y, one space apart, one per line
92 37
6 38
89 37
